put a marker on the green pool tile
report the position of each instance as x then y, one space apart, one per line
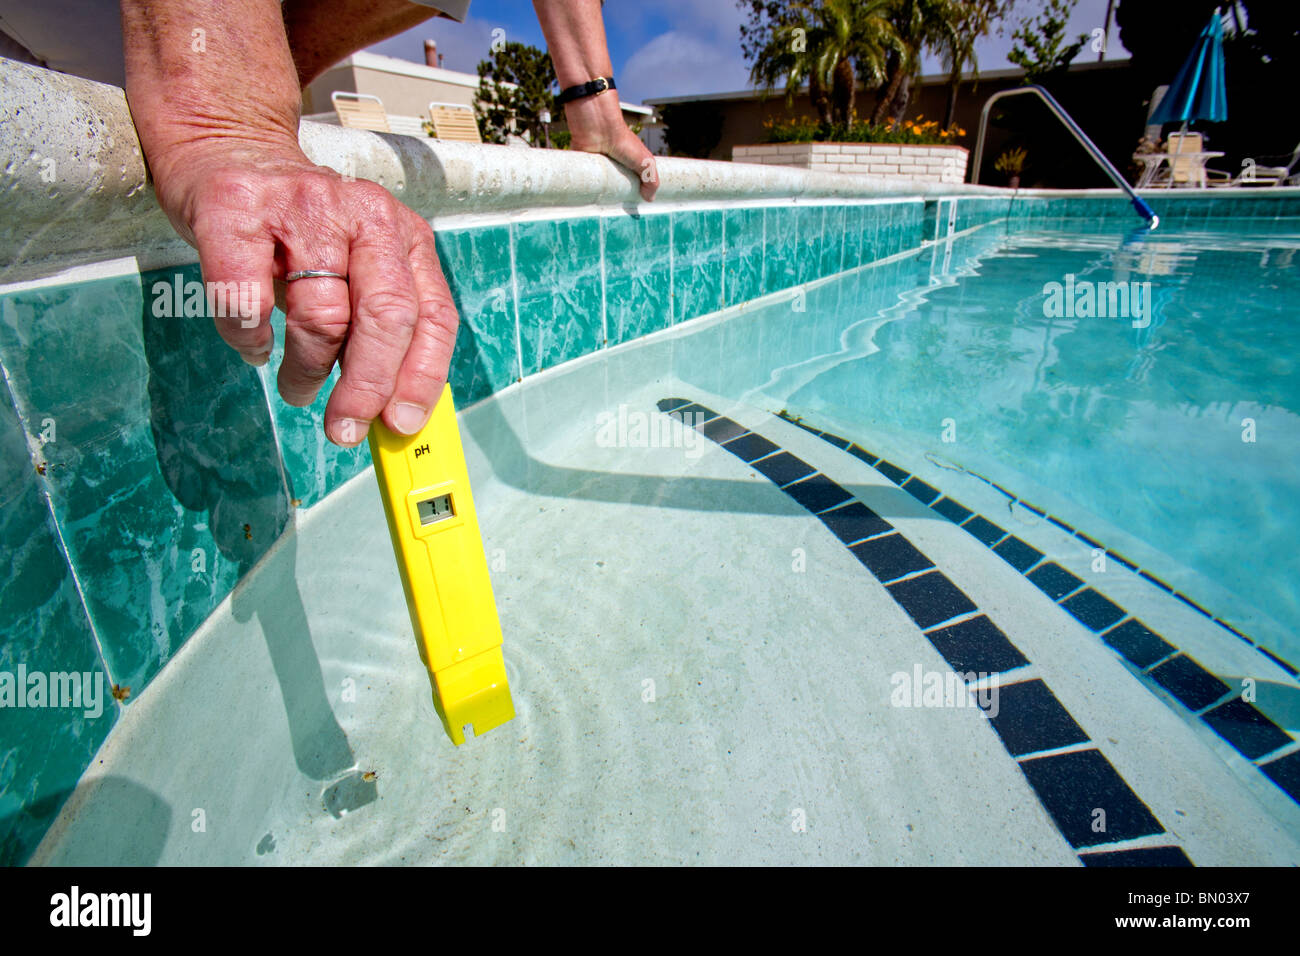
909 225
781 252
164 475
811 221
43 750
908 231
832 260
1258 209
314 466
886 231
744 255
853 246
697 263
476 263
558 271
638 275
874 227
931 217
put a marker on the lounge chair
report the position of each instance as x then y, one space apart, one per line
361 111
1255 175
1186 165
452 121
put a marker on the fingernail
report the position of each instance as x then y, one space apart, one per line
409 419
348 431
257 359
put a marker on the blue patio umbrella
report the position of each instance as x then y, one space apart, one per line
1198 91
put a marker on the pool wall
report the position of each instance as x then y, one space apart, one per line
147 469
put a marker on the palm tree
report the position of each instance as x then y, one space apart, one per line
919 25
820 45
974 19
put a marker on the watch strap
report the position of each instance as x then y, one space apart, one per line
599 85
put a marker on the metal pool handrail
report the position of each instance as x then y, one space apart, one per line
1138 202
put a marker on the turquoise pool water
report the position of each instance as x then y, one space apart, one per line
1169 433
681 604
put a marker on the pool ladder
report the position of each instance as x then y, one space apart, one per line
1138 202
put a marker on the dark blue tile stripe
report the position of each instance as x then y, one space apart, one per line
1251 733
1075 786
1285 772
1030 719
1194 686
1142 856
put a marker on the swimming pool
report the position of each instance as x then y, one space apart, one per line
718 658
912 586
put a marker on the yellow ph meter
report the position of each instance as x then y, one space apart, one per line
425 487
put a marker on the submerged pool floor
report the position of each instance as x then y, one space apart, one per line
703 672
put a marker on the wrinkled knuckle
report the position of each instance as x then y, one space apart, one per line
315 190
425 367
440 323
367 392
309 372
372 198
327 320
388 312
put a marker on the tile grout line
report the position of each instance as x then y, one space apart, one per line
514 297
604 309
722 282
25 423
672 271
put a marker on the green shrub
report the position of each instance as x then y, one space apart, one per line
908 132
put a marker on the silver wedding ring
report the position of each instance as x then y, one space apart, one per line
313 274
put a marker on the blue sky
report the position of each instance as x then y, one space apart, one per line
669 47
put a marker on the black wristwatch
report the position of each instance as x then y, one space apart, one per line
599 85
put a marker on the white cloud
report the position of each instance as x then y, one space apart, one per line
678 63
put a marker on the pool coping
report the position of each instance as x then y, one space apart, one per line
79 191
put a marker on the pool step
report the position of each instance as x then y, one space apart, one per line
1070 776
1160 663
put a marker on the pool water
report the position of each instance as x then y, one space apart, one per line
1176 440
702 671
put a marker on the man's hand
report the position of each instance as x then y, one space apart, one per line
214 91
256 215
575 37
218 121
597 125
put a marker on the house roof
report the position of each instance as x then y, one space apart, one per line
930 79
391 64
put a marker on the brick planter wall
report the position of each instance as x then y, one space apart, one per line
935 164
